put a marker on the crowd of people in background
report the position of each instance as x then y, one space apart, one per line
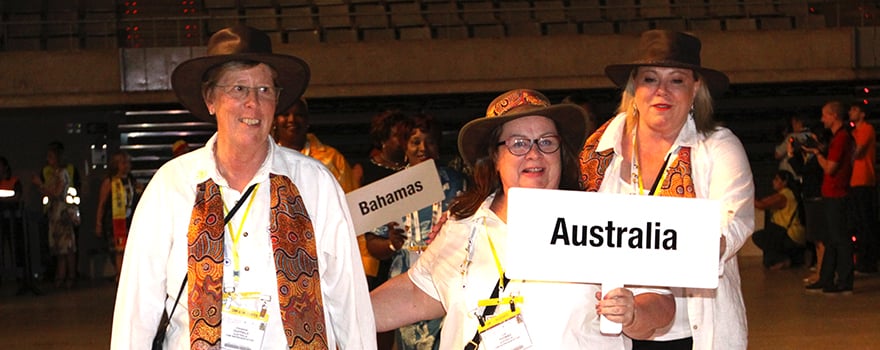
826 200
422 281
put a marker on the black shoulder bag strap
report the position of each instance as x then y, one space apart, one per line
793 215
489 310
159 338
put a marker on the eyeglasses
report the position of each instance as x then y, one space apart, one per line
518 145
241 92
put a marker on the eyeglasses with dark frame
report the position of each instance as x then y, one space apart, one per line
518 145
241 92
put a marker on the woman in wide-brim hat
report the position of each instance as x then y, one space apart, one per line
238 44
665 142
288 251
523 141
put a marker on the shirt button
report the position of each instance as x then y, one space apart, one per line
245 234
695 326
248 268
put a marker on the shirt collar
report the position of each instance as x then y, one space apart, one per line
613 136
208 167
485 210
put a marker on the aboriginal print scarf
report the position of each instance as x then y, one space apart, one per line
296 263
678 181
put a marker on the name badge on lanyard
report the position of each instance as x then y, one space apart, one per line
244 321
505 331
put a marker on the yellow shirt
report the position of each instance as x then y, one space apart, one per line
332 159
782 216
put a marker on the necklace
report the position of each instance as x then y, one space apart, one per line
394 167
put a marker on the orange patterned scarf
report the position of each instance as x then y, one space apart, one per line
678 181
296 263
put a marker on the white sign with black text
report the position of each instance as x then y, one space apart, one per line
391 198
612 239
575 236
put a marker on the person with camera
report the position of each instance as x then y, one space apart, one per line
808 174
796 133
836 271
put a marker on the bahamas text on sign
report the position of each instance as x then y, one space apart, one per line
389 198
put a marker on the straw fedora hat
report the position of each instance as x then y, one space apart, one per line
664 48
238 43
475 137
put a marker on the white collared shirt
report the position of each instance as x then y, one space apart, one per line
156 257
716 318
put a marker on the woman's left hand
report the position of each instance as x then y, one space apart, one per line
617 306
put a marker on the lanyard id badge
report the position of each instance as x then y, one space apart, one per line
506 331
244 321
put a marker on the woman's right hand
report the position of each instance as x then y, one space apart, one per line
383 248
396 236
618 306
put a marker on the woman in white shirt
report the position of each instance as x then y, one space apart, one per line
522 142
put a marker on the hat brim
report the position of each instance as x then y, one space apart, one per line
572 123
716 81
186 80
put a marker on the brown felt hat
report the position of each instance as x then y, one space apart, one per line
238 43
664 48
571 120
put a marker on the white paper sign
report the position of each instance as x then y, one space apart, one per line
575 236
391 198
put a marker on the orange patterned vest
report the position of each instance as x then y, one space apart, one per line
678 181
296 263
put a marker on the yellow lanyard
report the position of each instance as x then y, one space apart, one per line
499 300
497 261
637 170
234 236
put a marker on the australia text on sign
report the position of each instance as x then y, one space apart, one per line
575 236
614 236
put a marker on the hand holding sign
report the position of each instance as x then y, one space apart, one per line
616 308
613 239
396 235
